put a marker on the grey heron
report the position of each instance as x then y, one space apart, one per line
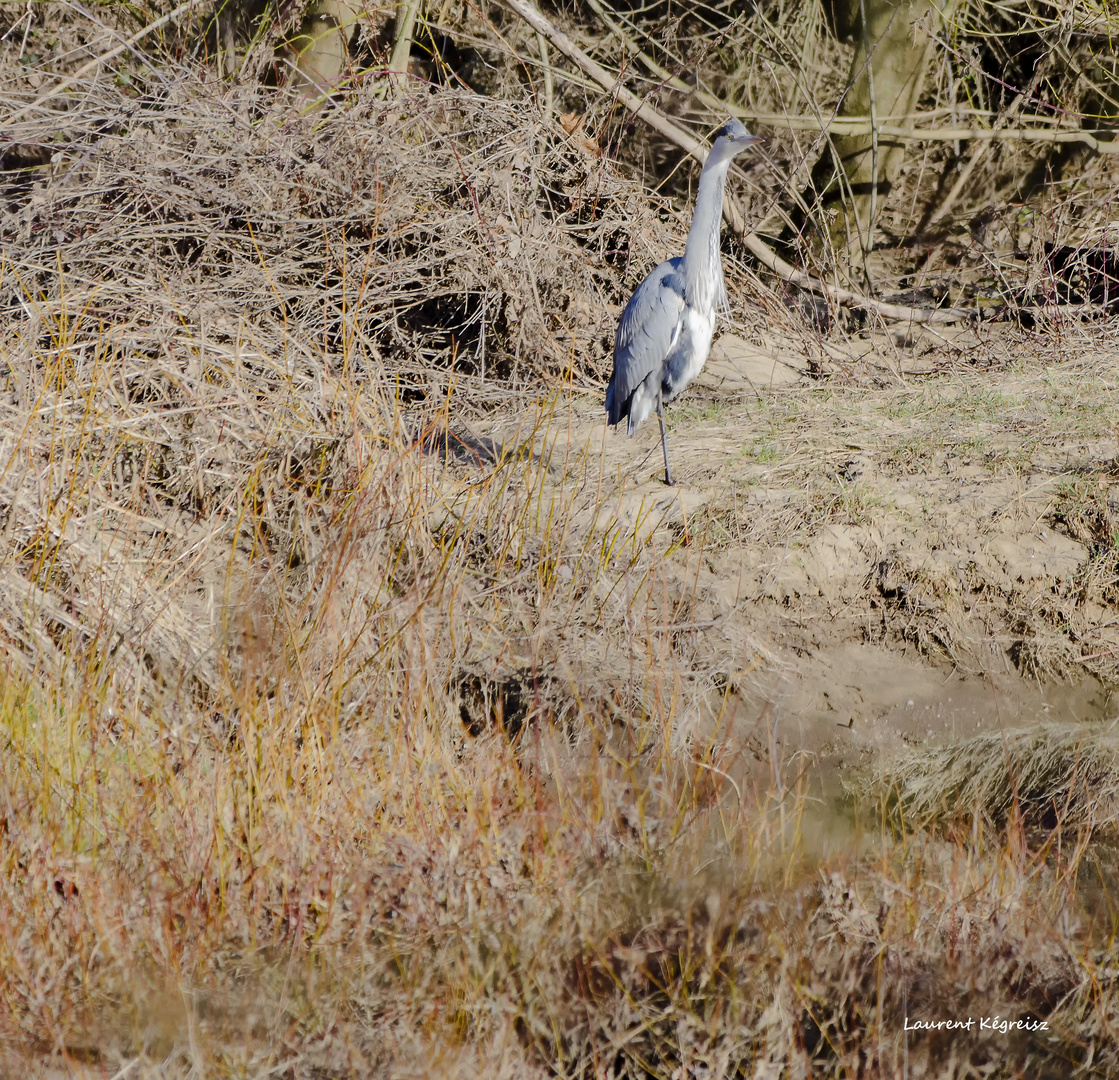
665 331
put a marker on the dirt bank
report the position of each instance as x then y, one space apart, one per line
887 556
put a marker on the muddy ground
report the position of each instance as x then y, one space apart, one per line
920 546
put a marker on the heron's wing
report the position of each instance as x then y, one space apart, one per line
647 333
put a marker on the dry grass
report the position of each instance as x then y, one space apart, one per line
335 740
381 899
1056 778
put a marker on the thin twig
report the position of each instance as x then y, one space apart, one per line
965 173
1099 139
867 242
663 74
549 86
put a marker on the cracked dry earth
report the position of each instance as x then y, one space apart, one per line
910 552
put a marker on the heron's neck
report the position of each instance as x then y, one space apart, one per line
703 264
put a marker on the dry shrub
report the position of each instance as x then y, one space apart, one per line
399 235
1031 225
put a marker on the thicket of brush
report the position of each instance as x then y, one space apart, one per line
998 222
334 741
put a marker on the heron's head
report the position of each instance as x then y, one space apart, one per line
736 137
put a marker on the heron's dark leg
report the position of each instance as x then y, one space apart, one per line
664 438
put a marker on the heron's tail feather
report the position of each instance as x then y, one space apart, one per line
615 409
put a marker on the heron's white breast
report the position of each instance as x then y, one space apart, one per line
695 342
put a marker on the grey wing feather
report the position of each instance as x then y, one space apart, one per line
649 328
